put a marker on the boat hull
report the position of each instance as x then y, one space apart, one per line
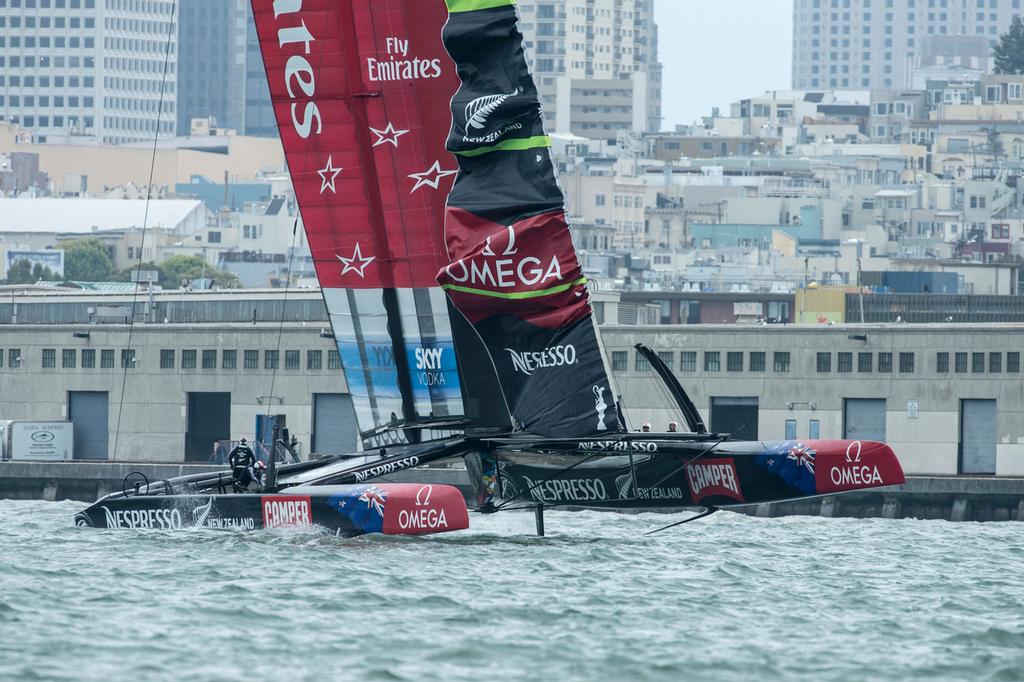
350 510
645 473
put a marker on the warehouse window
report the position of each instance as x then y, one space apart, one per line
107 358
864 361
1013 362
333 359
906 363
252 359
712 361
229 359
88 358
68 358
734 362
961 363
188 359
824 362
667 357
620 361
757 361
270 359
291 359
995 363
885 363
977 363
167 359
209 359
314 359
14 358
688 361
942 363
845 364
49 358
640 364
781 362
128 359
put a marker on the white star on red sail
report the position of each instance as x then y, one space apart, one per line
357 263
388 135
432 176
329 170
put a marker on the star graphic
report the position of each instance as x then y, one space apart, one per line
328 170
356 263
432 176
389 134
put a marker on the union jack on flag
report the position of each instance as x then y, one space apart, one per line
802 455
374 498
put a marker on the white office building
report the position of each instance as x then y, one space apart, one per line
595 63
90 68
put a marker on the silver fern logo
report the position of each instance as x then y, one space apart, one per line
478 118
479 110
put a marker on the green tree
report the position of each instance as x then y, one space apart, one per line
86 260
1009 52
178 268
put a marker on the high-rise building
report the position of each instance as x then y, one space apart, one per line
858 44
595 63
220 72
89 67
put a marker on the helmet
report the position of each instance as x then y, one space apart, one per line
672 425
646 426
243 441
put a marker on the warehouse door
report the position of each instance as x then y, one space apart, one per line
977 436
88 411
334 424
737 416
864 419
208 421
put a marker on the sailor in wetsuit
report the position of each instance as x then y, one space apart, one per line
243 467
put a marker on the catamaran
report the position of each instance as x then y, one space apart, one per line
416 147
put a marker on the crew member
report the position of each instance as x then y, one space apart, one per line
673 427
243 467
646 428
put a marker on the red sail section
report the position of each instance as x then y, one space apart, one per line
360 89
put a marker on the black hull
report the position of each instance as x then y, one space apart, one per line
638 472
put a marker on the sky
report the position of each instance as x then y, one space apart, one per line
714 52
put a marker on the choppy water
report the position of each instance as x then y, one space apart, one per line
727 598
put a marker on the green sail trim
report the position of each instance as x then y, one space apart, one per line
516 294
473 5
515 144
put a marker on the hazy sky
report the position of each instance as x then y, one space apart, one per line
717 51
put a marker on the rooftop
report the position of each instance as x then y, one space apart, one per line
83 216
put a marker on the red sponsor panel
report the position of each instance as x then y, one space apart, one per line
286 511
415 509
714 478
530 265
356 87
853 464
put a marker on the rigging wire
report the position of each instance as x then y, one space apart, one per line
280 330
128 360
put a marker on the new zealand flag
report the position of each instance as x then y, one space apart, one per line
793 461
364 504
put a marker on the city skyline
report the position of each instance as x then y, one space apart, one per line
690 35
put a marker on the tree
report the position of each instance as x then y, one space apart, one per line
1009 52
178 268
86 260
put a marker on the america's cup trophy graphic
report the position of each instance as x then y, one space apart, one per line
601 406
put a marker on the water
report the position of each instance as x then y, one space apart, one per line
727 598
